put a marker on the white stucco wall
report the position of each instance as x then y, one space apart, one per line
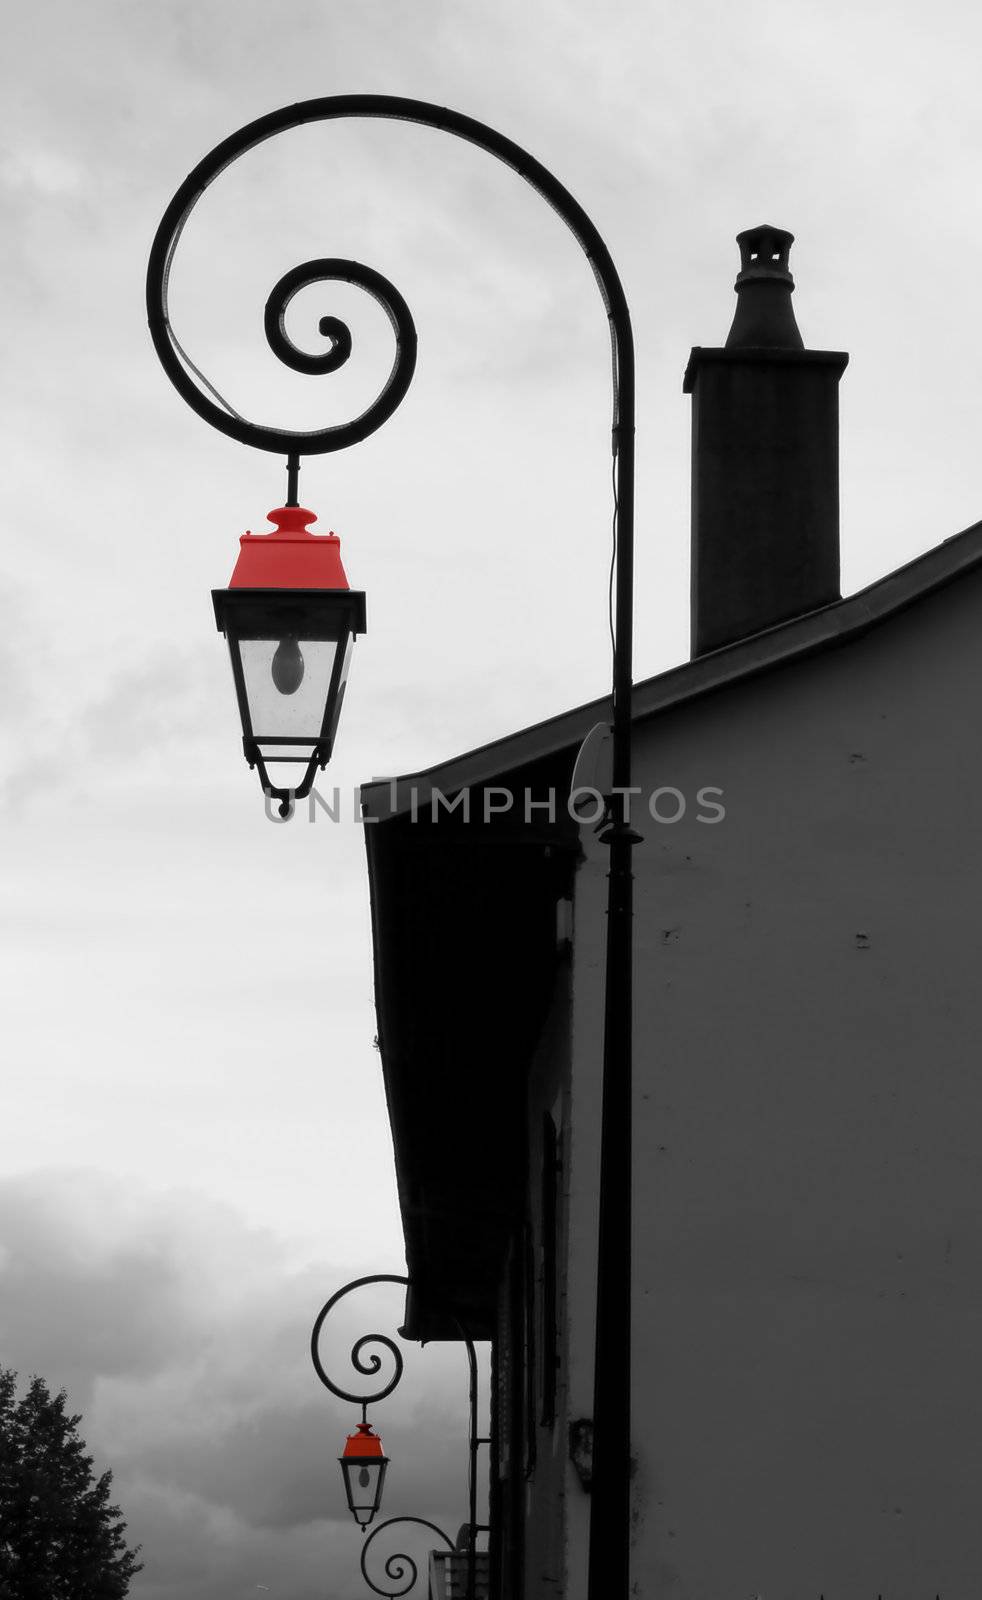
808 1131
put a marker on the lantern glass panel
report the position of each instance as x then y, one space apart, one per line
342 684
363 1478
287 683
290 652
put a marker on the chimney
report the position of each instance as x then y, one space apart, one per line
765 460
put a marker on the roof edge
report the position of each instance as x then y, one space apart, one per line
825 628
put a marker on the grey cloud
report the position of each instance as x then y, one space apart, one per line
181 1335
160 704
151 702
20 633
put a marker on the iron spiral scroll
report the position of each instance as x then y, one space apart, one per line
400 1568
368 1367
205 399
201 395
179 367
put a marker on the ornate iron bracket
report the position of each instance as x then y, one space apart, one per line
214 409
400 1566
374 1362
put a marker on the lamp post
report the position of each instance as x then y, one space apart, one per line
609 1574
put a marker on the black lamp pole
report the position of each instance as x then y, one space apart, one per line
609 1577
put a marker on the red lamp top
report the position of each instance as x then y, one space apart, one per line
363 1443
290 557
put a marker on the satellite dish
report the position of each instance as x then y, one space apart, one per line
593 771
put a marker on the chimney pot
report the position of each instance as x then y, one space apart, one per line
764 317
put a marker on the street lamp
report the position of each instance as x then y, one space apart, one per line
363 1469
290 621
609 1574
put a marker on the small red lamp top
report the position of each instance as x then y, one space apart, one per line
365 1442
291 557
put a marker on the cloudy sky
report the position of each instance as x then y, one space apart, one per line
193 1145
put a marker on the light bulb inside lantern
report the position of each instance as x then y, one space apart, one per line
363 1478
287 666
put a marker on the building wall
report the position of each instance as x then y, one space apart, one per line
808 1131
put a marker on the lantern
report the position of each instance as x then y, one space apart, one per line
290 621
363 1470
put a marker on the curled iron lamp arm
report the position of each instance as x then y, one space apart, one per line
374 1362
609 1572
396 1565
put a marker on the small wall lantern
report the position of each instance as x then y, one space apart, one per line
290 621
363 1470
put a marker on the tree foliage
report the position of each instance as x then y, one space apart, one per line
60 1538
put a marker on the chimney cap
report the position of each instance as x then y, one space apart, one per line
764 252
